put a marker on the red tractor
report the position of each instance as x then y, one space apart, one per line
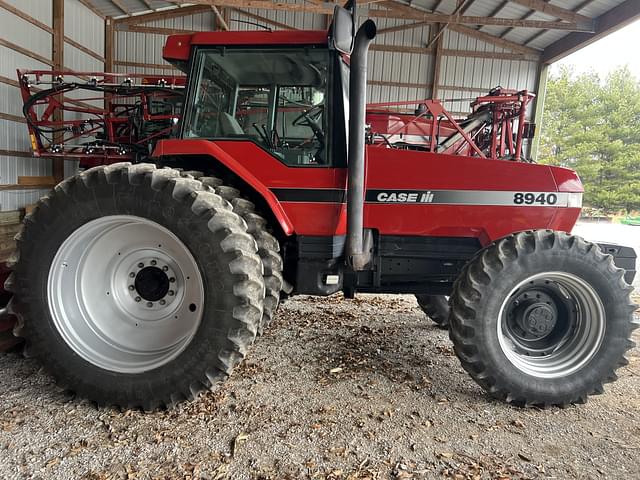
144 284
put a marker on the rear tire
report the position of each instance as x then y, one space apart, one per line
268 245
436 308
542 318
152 213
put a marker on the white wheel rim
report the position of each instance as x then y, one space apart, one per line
125 293
573 350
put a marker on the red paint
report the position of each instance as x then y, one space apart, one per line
399 169
178 47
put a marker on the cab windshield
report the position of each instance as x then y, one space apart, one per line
275 97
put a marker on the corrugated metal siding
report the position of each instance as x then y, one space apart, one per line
81 25
462 77
13 135
87 29
146 48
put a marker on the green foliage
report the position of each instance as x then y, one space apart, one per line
593 127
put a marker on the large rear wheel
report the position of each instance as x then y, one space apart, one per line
542 318
136 287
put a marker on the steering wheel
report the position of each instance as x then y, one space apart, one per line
311 118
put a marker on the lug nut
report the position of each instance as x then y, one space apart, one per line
165 268
140 265
132 275
149 304
132 288
172 279
162 302
153 262
138 299
171 293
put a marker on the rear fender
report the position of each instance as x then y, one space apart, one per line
178 147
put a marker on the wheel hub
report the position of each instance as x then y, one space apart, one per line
151 283
551 324
539 319
125 293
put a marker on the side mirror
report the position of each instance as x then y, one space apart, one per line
343 29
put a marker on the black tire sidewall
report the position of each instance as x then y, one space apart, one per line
590 268
82 205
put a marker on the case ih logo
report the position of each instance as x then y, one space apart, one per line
404 197
475 197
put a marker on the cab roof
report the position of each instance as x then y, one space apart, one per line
178 47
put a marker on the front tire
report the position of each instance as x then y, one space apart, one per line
436 307
135 287
542 318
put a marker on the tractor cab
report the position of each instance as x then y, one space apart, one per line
281 91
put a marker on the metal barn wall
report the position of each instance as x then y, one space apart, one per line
137 52
400 67
465 77
85 28
14 141
82 26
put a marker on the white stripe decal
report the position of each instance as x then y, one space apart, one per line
475 197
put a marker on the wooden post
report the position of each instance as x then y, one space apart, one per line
57 51
437 60
109 43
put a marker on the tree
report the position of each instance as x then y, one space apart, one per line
593 127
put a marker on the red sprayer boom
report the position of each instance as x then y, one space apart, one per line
99 118
112 117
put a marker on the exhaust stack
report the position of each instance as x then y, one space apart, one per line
357 255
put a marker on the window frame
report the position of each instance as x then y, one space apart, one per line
334 107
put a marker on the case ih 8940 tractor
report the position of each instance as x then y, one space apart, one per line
143 284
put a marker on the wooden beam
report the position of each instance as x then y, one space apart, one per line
266 20
36 181
553 10
121 6
322 8
12 118
162 15
454 53
25 52
109 44
84 49
400 28
9 81
384 83
91 7
57 55
28 187
462 7
148 4
151 30
19 13
490 55
488 38
151 66
485 37
437 62
15 153
495 21
542 32
220 21
607 23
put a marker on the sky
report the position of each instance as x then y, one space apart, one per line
607 54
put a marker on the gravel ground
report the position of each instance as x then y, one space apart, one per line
337 389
